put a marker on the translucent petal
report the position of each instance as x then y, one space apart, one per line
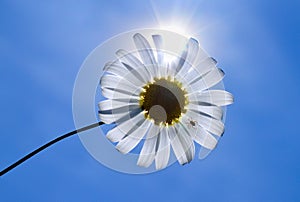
200 135
120 110
208 80
214 97
158 42
213 111
116 82
201 56
177 146
186 141
114 104
179 61
197 71
146 53
145 49
117 133
163 150
192 51
132 139
117 94
205 139
111 118
147 154
180 147
137 67
116 68
210 124
206 65
171 69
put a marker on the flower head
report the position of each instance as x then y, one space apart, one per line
164 99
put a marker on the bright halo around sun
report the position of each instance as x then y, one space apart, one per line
162 98
177 27
180 17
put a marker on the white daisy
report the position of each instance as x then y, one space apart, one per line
165 100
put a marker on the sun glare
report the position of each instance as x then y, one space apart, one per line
179 28
178 19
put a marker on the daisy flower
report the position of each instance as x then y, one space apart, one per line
162 101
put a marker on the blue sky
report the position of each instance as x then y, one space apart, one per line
257 43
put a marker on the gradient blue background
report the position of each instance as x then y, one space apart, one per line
257 43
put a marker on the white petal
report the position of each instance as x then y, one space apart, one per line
138 68
201 56
177 147
118 115
163 150
204 152
197 71
111 118
161 66
190 76
210 124
213 111
158 42
205 139
116 82
114 104
117 133
147 154
117 94
129 59
171 69
163 71
121 110
192 51
116 68
146 53
186 141
200 135
208 80
179 61
180 148
132 139
206 65
214 97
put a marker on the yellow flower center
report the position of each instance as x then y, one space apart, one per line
163 101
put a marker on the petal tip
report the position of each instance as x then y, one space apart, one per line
137 35
214 60
193 40
121 149
121 52
221 71
111 137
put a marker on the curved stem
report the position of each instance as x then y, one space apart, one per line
48 145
